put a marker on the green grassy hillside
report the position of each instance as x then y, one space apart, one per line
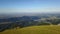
34 30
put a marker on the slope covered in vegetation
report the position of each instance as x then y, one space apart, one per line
54 29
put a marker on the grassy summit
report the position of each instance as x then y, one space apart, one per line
54 29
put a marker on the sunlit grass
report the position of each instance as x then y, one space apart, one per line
53 29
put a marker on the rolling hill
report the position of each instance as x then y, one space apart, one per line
45 29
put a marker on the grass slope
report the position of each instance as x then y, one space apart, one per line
34 30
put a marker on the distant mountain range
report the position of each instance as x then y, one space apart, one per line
14 19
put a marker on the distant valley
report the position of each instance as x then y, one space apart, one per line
25 21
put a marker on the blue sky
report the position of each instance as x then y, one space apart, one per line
18 6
